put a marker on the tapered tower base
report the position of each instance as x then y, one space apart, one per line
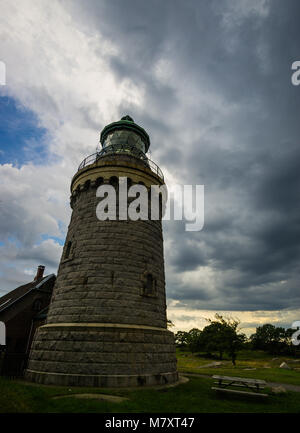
95 355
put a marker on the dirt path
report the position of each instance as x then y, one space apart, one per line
287 386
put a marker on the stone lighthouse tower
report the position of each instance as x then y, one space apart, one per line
106 323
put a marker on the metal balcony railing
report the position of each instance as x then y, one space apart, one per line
115 150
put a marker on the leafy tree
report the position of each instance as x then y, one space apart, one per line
188 339
221 335
272 339
193 340
181 338
212 339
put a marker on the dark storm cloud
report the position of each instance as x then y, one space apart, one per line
188 257
228 119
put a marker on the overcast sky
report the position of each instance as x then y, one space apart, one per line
210 81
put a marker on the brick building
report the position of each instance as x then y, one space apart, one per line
22 311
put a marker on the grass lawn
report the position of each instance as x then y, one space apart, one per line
194 396
266 366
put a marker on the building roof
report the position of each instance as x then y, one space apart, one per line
15 295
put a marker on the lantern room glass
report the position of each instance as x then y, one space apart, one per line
124 137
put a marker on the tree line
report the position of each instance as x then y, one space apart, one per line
222 335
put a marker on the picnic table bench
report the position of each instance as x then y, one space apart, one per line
253 385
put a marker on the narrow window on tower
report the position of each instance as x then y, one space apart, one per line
114 181
87 184
149 285
68 249
99 181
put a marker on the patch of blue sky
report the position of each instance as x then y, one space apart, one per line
59 240
22 139
15 241
62 227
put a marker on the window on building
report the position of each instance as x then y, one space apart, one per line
114 181
87 185
68 249
149 286
99 181
149 282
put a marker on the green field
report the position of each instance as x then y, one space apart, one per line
266 366
194 396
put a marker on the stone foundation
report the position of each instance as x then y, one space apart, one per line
104 355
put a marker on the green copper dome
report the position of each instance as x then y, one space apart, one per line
125 129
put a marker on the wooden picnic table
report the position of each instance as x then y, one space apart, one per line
228 383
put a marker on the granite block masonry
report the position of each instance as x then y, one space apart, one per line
106 324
